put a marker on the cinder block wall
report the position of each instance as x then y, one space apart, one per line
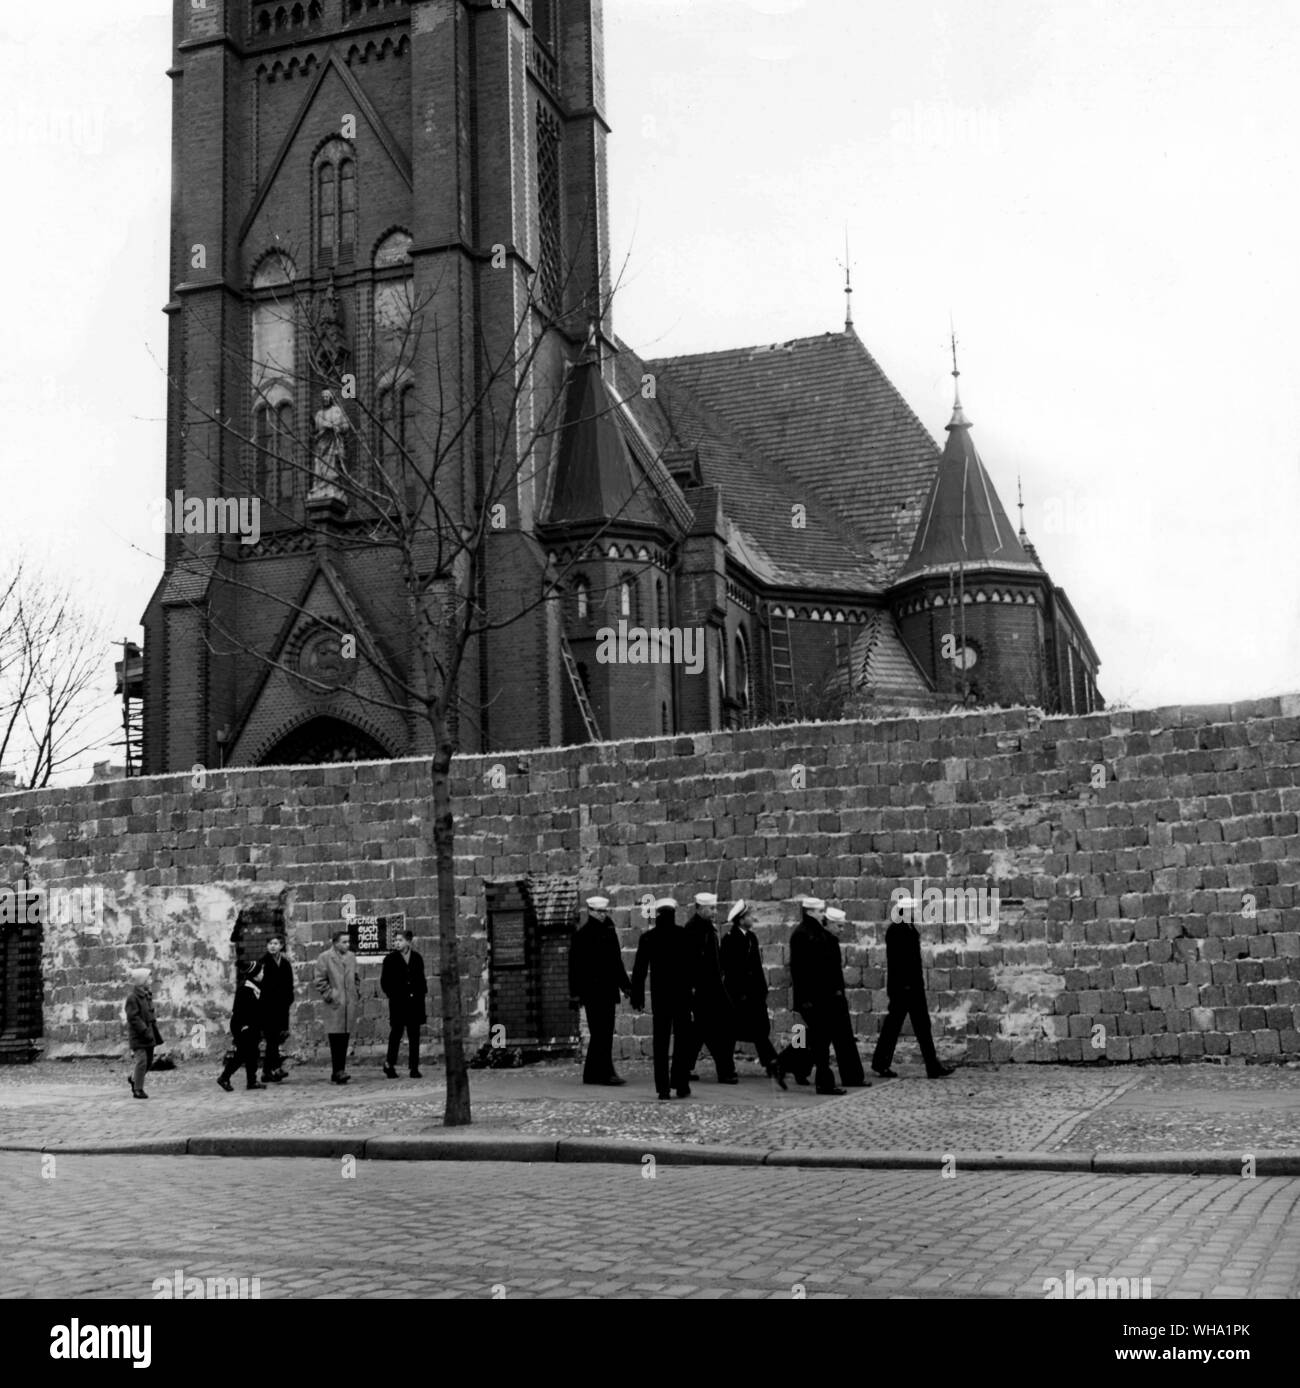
1147 864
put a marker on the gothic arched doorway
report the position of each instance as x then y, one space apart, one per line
324 740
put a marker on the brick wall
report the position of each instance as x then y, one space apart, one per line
1147 863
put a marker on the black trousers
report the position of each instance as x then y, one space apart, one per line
754 1025
412 1030
815 1053
599 1065
271 1057
338 1051
245 1055
715 1034
672 1025
910 1004
847 1059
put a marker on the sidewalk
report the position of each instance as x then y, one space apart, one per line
1134 1118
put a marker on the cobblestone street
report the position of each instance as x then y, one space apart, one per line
102 1226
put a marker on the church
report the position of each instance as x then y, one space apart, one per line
374 203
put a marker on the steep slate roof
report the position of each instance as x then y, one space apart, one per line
963 521
822 411
881 667
596 480
757 497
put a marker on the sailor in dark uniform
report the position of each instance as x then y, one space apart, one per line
710 1006
663 955
746 985
597 981
905 984
812 985
843 1039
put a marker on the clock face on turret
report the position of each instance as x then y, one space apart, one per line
321 660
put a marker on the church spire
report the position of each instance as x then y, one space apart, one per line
958 420
848 285
1020 502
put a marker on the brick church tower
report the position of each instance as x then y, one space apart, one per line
334 163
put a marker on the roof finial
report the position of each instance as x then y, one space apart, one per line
848 285
1020 493
958 416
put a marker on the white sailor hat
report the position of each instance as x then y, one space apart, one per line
705 899
813 903
665 903
598 903
907 902
833 913
738 909
138 975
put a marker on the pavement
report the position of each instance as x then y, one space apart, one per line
1229 1118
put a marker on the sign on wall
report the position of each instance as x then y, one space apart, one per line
371 937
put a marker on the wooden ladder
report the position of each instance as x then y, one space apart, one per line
579 690
782 666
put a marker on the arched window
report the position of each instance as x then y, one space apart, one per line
336 201
722 665
273 435
742 670
394 410
273 378
661 604
627 599
581 598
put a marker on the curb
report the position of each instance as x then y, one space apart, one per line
519 1147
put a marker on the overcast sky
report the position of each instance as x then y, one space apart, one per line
1102 193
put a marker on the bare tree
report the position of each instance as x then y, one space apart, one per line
50 660
432 467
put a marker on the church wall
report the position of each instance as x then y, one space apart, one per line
1147 862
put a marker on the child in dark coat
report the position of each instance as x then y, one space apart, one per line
245 1027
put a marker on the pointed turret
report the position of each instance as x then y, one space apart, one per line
963 521
596 480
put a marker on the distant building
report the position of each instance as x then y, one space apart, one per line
781 505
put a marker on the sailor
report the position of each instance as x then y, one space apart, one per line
597 982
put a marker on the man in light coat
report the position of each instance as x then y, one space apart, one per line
339 985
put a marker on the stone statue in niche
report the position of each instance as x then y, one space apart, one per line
330 427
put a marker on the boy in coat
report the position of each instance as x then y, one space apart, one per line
142 1029
746 985
597 982
403 983
245 1027
663 955
275 978
905 984
339 985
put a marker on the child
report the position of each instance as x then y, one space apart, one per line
142 1029
245 1027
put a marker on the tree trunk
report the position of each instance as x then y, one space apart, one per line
457 1111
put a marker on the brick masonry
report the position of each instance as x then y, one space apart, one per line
1147 863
